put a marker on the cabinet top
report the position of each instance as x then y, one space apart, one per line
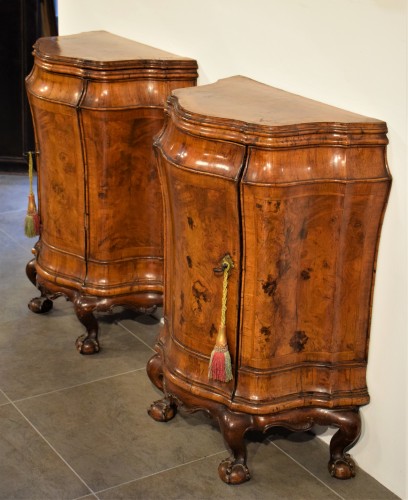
248 111
103 50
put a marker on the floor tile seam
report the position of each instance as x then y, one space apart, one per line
305 469
8 402
159 472
134 335
90 491
74 386
13 239
8 212
86 496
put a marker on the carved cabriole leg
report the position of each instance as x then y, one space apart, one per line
154 370
341 465
348 422
42 304
232 470
233 426
31 272
84 307
164 409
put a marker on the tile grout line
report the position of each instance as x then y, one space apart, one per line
7 212
159 472
134 335
86 496
13 239
307 470
71 386
299 464
49 444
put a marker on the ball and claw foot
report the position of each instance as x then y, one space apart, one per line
162 410
233 472
87 345
40 305
342 468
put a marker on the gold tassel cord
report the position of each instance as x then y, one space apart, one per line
220 367
32 219
227 264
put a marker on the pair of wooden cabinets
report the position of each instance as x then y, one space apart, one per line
292 191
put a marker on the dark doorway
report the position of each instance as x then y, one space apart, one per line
21 23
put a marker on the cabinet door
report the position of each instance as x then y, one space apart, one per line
200 189
125 246
61 174
310 248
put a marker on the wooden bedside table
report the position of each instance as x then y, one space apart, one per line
293 192
97 101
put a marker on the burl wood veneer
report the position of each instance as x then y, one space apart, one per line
97 101
295 192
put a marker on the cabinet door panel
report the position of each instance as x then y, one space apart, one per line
307 288
201 226
60 189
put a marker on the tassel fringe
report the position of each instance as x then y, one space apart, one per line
220 366
31 226
32 219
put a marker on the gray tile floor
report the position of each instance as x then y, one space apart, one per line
75 426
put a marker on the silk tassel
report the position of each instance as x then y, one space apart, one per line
220 366
32 219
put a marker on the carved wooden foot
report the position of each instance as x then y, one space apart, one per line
87 343
38 305
348 422
343 468
154 370
233 426
163 410
85 305
341 465
31 272
233 472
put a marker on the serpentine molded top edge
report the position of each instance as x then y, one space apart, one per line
252 106
101 49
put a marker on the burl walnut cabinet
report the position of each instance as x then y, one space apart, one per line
97 100
294 191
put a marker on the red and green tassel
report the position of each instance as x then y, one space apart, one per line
220 367
32 219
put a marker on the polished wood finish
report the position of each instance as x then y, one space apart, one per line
97 101
295 191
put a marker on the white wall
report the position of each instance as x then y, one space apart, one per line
348 53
